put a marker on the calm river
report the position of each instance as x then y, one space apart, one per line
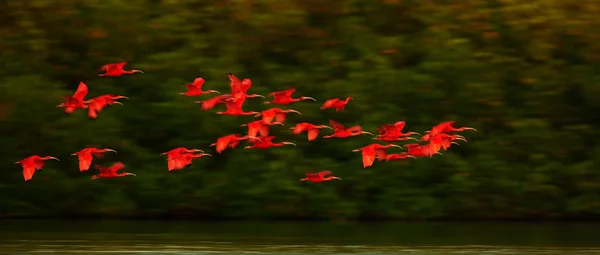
283 238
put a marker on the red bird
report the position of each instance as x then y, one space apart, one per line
185 160
417 150
442 141
257 126
265 143
393 132
230 141
340 131
85 156
239 89
195 89
312 130
336 103
446 127
320 177
275 113
116 69
111 172
32 163
285 97
174 154
234 109
77 100
397 156
212 102
369 153
95 105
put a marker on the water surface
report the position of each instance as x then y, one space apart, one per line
283 238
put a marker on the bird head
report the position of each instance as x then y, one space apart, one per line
304 179
276 123
294 111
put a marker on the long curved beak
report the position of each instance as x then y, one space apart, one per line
61 105
74 154
469 128
336 178
118 103
137 71
356 150
310 98
412 138
206 154
212 144
455 143
364 132
395 145
290 143
461 138
197 150
413 133
164 153
303 179
257 95
54 158
121 97
18 162
328 127
410 156
277 123
296 112
439 153
111 150
427 131
247 147
132 174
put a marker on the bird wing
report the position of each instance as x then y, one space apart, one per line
336 126
116 167
245 86
284 93
300 127
102 169
235 83
399 125
28 172
120 65
81 91
381 154
191 87
353 129
322 174
264 130
330 103
312 134
280 117
368 157
198 82
268 116
232 106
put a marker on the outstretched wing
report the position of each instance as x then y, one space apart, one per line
336 126
245 86
312 134
354 129
399 125
300 127
283 93
28 172
235 83
116 167
330 103
81 91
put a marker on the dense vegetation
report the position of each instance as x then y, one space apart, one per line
525 74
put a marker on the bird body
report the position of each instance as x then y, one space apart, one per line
312 130
32 163
234 109
230 141
86 156
336 103
370 152
393 132
116 69
266 142
173 156
186 159
110 172
77 100
95 105
285 97
195 89
320 177
259 126
276 114
340 131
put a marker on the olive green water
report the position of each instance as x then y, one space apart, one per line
178 237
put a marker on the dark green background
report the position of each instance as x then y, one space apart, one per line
526 75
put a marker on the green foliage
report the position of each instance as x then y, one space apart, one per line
527 77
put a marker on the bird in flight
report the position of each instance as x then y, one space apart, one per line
320 177
32 163
116 69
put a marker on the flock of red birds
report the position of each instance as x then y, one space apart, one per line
436 139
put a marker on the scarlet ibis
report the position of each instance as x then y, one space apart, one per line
371 151
312 130
77 100
275 113
339 131
95 105
212 102
234 109
446 127
442 141
393 132
336 103
285 97
116 69
229 140
257 126
418 150
240 88
186 159
195 89
266 142
111 172
175 153
32 163
85 156
320 177
398 156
